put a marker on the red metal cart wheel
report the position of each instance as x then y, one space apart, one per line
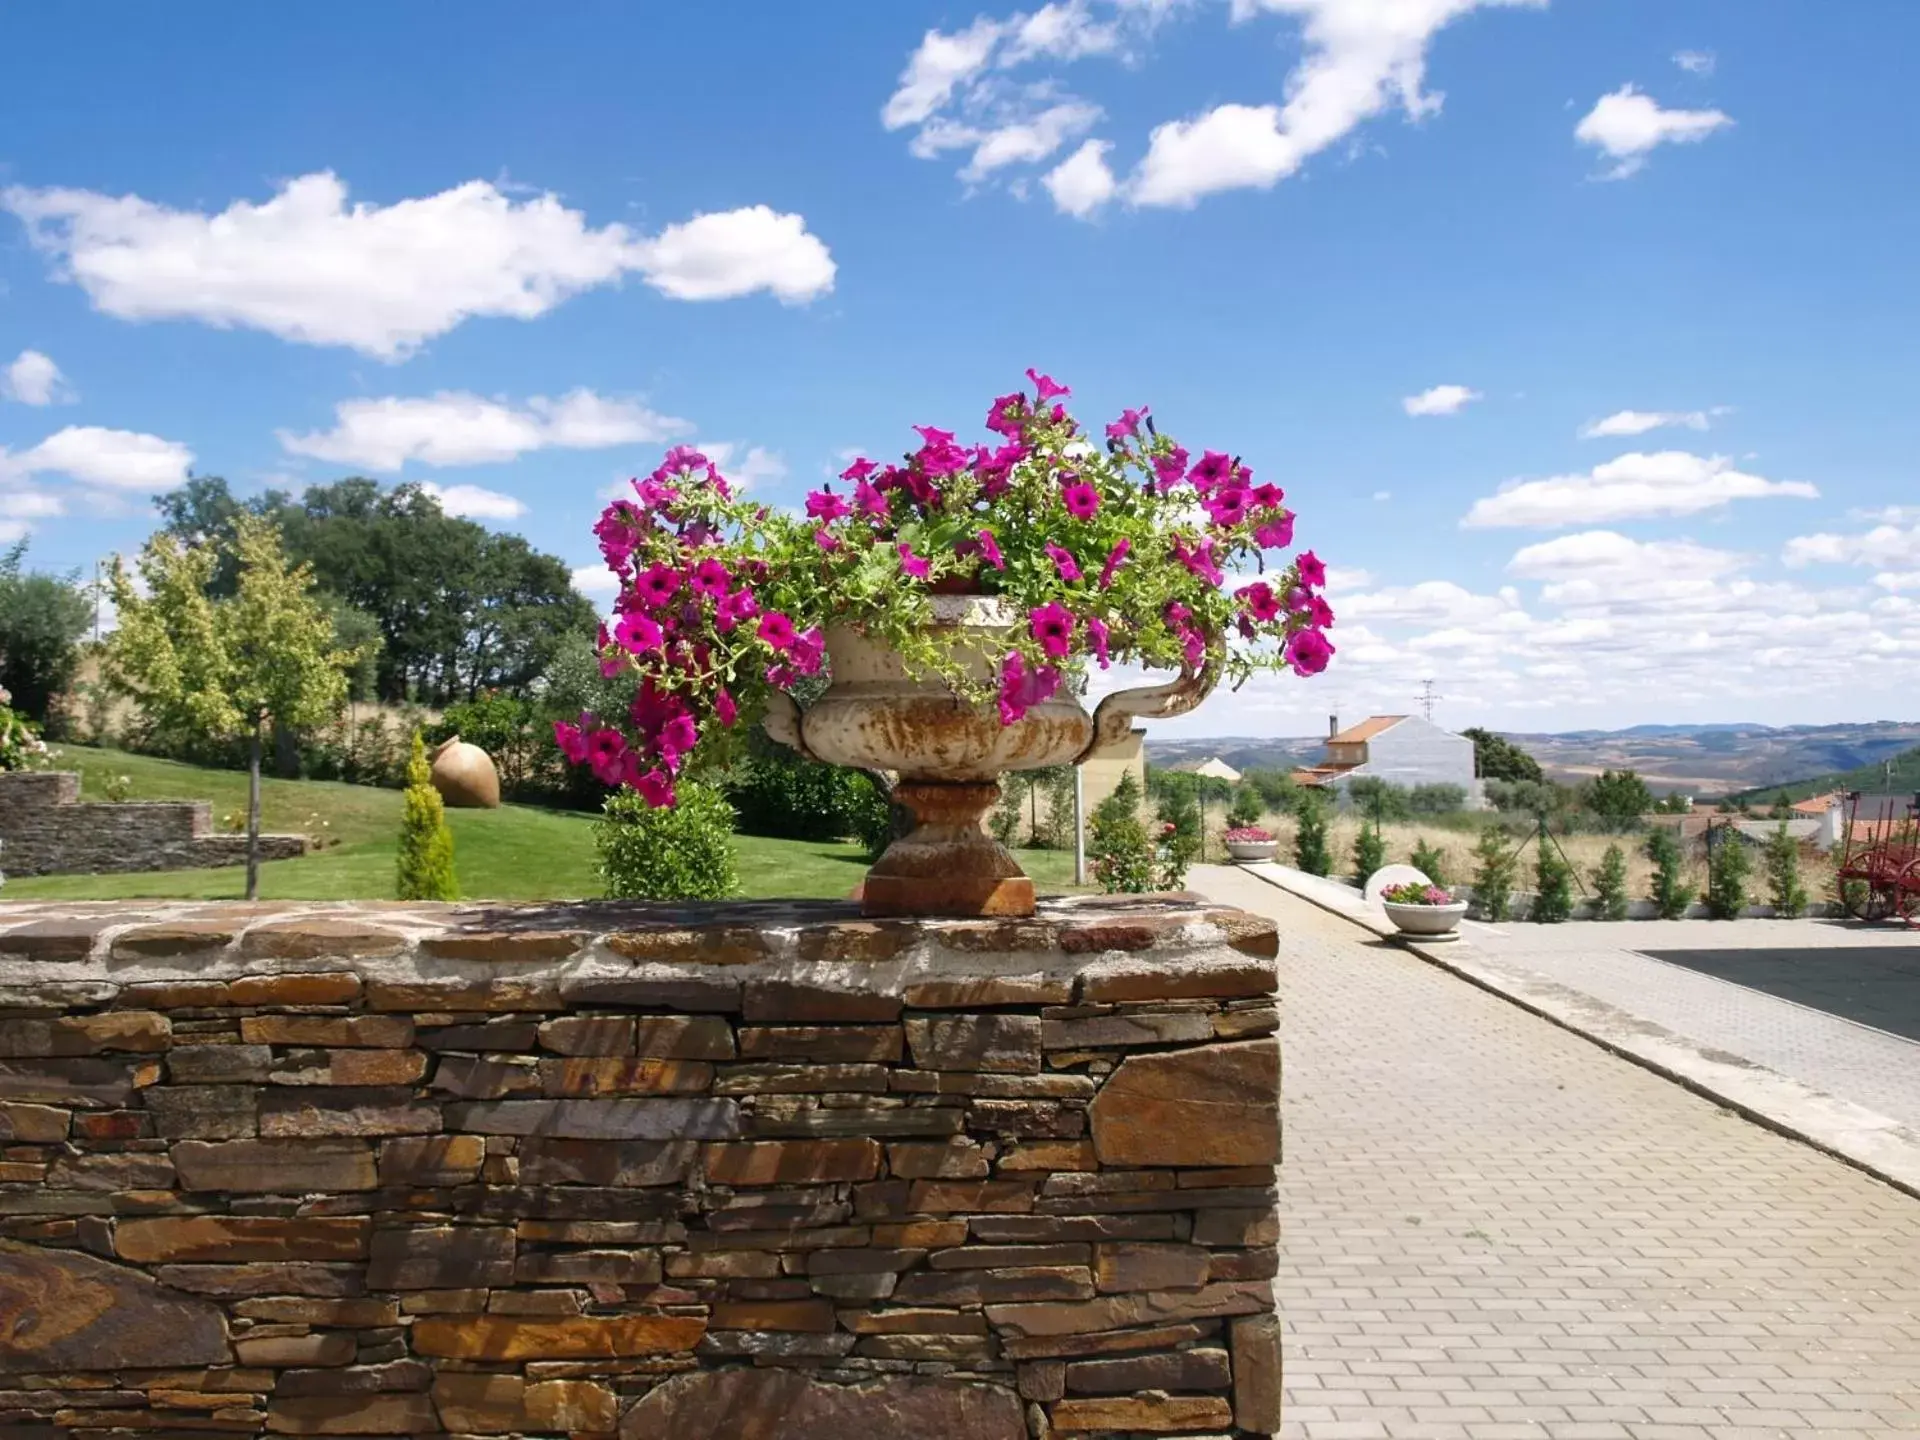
1866 900
1907 894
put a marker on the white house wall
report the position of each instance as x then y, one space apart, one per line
1417 752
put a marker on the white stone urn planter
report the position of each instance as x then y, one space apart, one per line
948 755
1427 922
1252 852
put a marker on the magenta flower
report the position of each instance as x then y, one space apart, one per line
826 507
1210 470
710 578
1268 497
1308 652
1275 534
679 458
1198 558
656 788
571 740
1227 505
869 501
1171 468
1003 416
1047 386
677 737
657 585
809 650
1312 572
858 470
605 750
990 549
911 564
1260 601
777 632
1319 614
1097 634
638 635
1127 426
1081 499
932 436
1052 626
826 541
1063 561
1114 558
1021 689
726 708
735 608
1194 646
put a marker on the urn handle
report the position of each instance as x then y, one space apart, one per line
1114 717
782 722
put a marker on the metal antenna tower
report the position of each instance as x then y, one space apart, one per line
1427 696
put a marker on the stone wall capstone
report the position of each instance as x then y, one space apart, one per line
613 1170
46 829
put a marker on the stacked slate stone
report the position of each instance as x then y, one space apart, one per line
762 1171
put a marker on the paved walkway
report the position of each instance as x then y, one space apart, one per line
1494 1229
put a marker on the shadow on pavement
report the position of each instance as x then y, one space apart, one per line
1871 986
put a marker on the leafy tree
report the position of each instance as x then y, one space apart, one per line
1436 799
425 863
1179 813
1369 851
42 618
1380 798
1494 864
1619 797
1428 860
1553 886
1310 851
1672 803
686 852
1670 895
1528 797
1728 867
1784 889
1246 808
1610 884
221 669
1275 788
1782 807
1117 844
1497 758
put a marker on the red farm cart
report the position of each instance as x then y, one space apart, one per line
1879 869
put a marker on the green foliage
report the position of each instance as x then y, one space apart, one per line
1369 852
1118 849
1784 889
1728 867
1670 895
685 852
1672 803
21 747
1610 885
775 792
1379 799
1529 797
1497 758
1036 805
1246 808
1494 865
41 621
1782 808
1429 861
1437 799
1179 843
1310 851
1275 788
1553 885
1618 797
424 869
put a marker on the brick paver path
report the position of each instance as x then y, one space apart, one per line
1494 1229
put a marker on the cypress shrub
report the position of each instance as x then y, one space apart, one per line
425 865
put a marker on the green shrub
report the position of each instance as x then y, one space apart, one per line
1369 852
1428 860
1310 851
1120 853
775 792
425 864
1784 889
1728 867
1381 799
1610 885
1246 808
1670 895
1553 885
683 853
1493 875
1179 840
1437 799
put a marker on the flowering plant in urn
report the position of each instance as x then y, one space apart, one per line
958 599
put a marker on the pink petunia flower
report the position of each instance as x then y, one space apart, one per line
1171 468
1052 625
990 549
911 564
1047 387
1275 534
1063 561
1198 558
571 740
1308 652
1313 572
869 501
726 709
605 750
1268 497
1115 557
1227 505
1097 634
638 635
826 507
657 585
1003 416
710 578
1211 468
1021 689
858 470
826 540
1127 427
1081 499
809 650
677 737
656 788
1260 601
735 609
777 632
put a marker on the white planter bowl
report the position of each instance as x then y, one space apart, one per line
1429 922
1251 852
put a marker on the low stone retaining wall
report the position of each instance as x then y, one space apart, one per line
46 829
750 1170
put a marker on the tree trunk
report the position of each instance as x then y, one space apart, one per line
253 814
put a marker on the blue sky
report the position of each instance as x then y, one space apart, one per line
1398 254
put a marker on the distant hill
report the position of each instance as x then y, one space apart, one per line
1896 775
1716 759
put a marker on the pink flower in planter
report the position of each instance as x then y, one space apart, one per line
1115 557
710 578
1275 534
1081 499
1052 626
1198 558
826 507
988 549
1097 636
1268 497
677 737
726 709
1021 689
657 585
656 788
869 501
638 635
1308 652
1171 468
734 609
776 630
1212 468
1228 505
859 470
1004 415
809 650
571 740
1312 571
605 751
1260 601
1047 386
1127 426
911 564
826 540
680 458
1063 561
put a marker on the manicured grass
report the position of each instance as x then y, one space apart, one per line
517 852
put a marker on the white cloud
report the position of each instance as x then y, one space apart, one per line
1230 147
308 267
745 466
596 581
940 64
1886 545
1628 125
33 379
1029 141
1633 487
1082 183
30 505
112 459
457 428
1440 400
473 502
1059 31
1383 495
1639 422
1696 62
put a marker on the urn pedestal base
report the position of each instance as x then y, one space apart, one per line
948 865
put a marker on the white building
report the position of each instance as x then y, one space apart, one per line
1213 767
1402 750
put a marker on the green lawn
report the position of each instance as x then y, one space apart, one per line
517 852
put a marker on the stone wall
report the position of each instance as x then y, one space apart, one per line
45 829
743 1171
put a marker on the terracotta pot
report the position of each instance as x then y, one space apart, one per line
465 777
948 755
